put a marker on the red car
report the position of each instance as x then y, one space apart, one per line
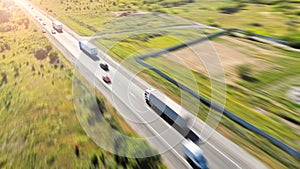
106 79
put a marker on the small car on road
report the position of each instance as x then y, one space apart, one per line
44 30
104 66
53 31
106 79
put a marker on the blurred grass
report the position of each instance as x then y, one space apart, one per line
241 102
39 127
242 97
275 18
123 46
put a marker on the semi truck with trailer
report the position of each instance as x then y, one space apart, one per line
89 49
169 115
194 154
57 26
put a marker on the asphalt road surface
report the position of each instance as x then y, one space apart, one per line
126 93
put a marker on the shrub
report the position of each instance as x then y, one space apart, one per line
76 149
50 160
17 73
255 24
4 79
4 47
244 71
48 48
53 57
94 161
230 9
133 149
40 54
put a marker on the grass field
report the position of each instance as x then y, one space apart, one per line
263 101
274 18
264 19
257 102
39 126
147 42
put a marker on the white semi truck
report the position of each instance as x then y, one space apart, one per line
89 49
170 115
57 26
194 154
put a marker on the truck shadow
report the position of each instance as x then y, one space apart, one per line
191 163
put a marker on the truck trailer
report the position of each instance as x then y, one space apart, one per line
170 116
194 154
89 49
57 26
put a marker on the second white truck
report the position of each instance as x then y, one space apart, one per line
152 98
89 49
57 26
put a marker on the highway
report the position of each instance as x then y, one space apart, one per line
220 152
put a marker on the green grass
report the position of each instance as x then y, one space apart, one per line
241 100
235 100
268 18
273 22
39 126
242 105
127 45
274 19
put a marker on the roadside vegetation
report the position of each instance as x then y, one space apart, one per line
139 43
256 89
257 94
276 18
39 126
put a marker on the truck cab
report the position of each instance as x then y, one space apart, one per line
147 95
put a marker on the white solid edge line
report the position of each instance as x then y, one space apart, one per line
152 129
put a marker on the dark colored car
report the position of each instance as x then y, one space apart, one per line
106 79
104 66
